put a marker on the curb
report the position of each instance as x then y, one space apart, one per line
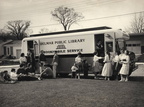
139 63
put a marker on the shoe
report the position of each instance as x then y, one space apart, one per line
39 78
95 77
78 77
126 80
120 80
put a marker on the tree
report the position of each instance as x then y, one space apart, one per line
137 24
66 16
18 28
4 36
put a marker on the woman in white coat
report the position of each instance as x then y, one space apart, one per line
124 71
107 69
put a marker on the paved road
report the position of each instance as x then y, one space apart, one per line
139 71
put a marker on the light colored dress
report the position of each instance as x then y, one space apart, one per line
107 69
97 67
125 65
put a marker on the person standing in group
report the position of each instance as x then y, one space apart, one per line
97 67
23 59
107 69
124 71
85 68
120 63
42 60
32 59
121 57
28 58
55 63
116 65
78 62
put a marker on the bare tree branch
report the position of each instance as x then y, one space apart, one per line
18 28
137 24
66 16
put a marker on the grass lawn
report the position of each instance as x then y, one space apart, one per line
67 92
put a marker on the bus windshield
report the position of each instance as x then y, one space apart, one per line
120 44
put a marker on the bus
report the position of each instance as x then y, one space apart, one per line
69 43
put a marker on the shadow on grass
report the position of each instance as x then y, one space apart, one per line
137 78
26 78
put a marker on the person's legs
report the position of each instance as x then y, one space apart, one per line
79 75
122 78
54 70
73 75
126 78
96 73
76 74
108 78
105 78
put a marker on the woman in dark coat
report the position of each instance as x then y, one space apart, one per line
32 59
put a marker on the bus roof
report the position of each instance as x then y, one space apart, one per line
54 35
73 31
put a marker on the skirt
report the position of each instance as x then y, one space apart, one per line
124 69
107 70
97 67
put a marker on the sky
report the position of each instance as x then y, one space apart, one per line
117 14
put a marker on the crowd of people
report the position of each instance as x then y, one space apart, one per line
113 66
28 67
116 67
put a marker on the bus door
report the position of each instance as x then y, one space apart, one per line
24 47
110 42
99 44
34 45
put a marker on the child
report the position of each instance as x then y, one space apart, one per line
7 78
4 77
21 72
28 69
74 69
13 76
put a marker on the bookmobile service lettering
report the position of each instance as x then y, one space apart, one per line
67 45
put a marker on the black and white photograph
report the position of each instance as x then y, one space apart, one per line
71 53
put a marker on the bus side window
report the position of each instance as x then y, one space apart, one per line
121 44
